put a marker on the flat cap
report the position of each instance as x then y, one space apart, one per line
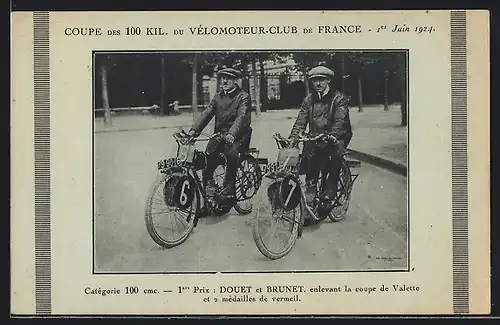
321 72
230 72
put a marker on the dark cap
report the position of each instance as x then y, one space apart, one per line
320 72
230 72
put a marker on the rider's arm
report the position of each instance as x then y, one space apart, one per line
341 120
301 121
242 121
204 117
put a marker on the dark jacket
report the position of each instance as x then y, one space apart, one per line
330 114
232 113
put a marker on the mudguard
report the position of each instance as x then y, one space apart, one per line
178 186
289 192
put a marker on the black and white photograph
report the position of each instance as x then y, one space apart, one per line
222 163
250 161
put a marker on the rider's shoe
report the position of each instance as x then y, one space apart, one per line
228 193
330 200
328 196
310 222
310 191
211 188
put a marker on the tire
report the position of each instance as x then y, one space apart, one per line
169 176
339 212
242 210
256 179
263 196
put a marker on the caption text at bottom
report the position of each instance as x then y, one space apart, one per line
246 294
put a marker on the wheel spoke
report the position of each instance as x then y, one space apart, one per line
274 228
175 229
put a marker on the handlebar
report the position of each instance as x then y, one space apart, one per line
184 138
304 138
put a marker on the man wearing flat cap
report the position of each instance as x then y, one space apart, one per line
232 110
324 110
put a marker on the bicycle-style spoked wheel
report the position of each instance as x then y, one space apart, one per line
344 187
275 226
171 208
248 180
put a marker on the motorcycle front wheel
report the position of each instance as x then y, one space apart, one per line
275 229
168 224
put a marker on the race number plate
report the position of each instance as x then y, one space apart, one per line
165 163
184 192
186 153
289 193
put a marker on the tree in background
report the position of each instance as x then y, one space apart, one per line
306 61
402 70
163 98
362 65
120 78
212 61
103 62
194 104
334 60
382 64
362 62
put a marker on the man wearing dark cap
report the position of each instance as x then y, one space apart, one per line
232 110
325 110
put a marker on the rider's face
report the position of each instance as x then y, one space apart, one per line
227 83
320 84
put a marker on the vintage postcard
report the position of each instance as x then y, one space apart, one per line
250 163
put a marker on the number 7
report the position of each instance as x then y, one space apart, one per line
294 185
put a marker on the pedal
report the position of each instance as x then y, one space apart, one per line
226 200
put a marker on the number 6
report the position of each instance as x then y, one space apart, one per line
183 198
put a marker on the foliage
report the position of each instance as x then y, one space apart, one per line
364 64
211 61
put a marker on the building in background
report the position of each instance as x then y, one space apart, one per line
277 77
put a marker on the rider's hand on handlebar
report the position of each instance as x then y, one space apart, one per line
324 140
229 138
328 139
187 137
332 138
292 142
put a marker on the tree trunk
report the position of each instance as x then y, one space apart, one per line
262 84
199 91
194 101
245 84
404 107
255 81
402 85
306 80
163 101
342 73
105 97
360 94
386 99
